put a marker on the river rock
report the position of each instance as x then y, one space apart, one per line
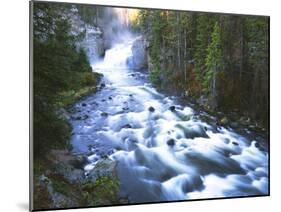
193 131
125 108
67 165
234 124
226 140
104 167
126 126
203 100
171 142
139 54
206 165
235 143
224 121
257 145
62 194
172 108
192 183
104 114
151 109
79 162
85 117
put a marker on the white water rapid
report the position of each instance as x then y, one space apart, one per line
164 151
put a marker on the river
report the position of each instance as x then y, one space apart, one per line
164 151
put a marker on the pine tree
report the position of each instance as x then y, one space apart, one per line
204 27
213 64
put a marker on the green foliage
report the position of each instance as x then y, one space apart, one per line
154 74
82 63
222 56
50 131
257 62
103 191
204 28
69 97
88 13
142 22
58 67
257 45
214 58
154 53
60 186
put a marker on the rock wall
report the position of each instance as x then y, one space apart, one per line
93 43
93 39
139 58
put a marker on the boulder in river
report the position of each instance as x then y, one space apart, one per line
257 145
102 85
172 108
104 167
235 143
127 126
192 183
193 131
171 142
104 114
125 108
151 109
234 124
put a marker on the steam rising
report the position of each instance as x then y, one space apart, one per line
115 24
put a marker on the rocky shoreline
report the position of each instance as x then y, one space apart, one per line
60 180
141 61
232 120
64 184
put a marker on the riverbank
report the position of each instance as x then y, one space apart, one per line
60 182
91 85
59 177
235 121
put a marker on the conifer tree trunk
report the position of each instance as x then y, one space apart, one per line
178 39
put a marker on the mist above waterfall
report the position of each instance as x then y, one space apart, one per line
114 23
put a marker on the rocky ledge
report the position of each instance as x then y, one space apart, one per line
64 184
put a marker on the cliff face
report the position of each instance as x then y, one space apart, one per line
139 58
140 48
93 43
90 36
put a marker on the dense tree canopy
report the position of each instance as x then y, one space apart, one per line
221 57
58 66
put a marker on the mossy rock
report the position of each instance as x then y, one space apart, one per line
104 167
104 191
224 121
